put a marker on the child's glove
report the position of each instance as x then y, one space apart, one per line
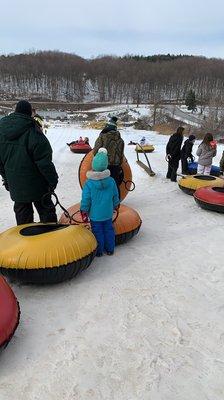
84 215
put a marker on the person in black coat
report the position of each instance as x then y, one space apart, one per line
186 152
173 154
26 165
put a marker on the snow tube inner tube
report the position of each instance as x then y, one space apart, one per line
80 148
191 183
126 224
149 148
210 198
192 167
9 313
45 253
126 184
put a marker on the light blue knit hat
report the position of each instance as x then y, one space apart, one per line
100 161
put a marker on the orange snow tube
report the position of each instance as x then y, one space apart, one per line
9 313
126 185
126 223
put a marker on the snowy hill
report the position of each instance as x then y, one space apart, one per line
144 324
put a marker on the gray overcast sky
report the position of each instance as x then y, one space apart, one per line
95 27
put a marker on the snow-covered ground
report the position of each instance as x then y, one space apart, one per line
116 109
142 109
145 324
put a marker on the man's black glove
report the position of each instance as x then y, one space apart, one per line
52 188
5 183
168 157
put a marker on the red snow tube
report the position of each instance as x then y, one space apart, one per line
80 148
9 313
210 198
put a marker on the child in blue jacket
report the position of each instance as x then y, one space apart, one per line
99 199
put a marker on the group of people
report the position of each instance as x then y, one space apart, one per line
174 153
30 176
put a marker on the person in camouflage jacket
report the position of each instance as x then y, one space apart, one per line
114 144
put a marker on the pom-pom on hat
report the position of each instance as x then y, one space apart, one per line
100 161
24 107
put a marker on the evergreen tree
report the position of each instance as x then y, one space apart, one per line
191 101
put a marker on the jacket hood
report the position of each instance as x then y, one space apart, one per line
176 138
205 146
99 179
176 135
98 175
15 125
113 134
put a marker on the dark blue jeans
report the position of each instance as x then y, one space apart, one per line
104 234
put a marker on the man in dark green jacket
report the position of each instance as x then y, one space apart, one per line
26 165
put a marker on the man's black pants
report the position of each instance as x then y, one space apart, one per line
173 165
25 214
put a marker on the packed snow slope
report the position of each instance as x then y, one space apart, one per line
145 324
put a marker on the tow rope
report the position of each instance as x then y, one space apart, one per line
71 217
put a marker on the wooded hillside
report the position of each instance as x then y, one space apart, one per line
67 77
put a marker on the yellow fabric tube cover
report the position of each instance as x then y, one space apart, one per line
46 250
149 148
195 182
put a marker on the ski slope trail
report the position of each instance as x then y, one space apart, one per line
186 117
147 323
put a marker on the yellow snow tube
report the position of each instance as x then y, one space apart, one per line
45 253
191 183
149 148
